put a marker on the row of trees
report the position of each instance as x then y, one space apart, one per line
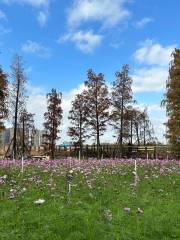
92 112
95 109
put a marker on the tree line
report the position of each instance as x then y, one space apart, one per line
92 111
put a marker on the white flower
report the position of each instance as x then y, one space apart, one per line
39 201
127 210
12 196
139 210
24 189
71 171
108 215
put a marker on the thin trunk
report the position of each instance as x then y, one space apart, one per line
53 135
122 119
137 132
23 139
98 141
15 120
97 133
97 126
52 144
80 134
131 131
144 133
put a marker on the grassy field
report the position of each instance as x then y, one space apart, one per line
90 200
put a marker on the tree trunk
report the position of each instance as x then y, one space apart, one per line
80 135
23 139
137 133
131 132
144 133
15 120
98 143
121 128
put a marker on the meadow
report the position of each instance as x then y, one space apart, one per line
110 199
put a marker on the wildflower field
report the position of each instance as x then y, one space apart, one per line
90 199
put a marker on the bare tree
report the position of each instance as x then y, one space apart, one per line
147 132
53 118
142 128
3 97
17 95
98 105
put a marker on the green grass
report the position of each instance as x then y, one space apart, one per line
81 216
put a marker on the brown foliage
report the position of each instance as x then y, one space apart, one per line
53 118
172 102
121 101
78 117
97 104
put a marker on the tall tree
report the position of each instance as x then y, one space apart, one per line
17 98
78 117
98 105
121 99
3 97
53 118
172 103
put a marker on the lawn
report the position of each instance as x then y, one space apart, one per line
97 200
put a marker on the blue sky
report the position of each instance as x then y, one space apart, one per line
60 40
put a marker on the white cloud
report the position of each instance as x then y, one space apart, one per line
33 3
43 5
153 53
37 105
143 22
150 79
116 44
3 15
42 17
4 30
36 48
85 41
153 75
108 12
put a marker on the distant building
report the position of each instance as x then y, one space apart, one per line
7 136
38 139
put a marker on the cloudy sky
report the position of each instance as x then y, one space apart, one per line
60 39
